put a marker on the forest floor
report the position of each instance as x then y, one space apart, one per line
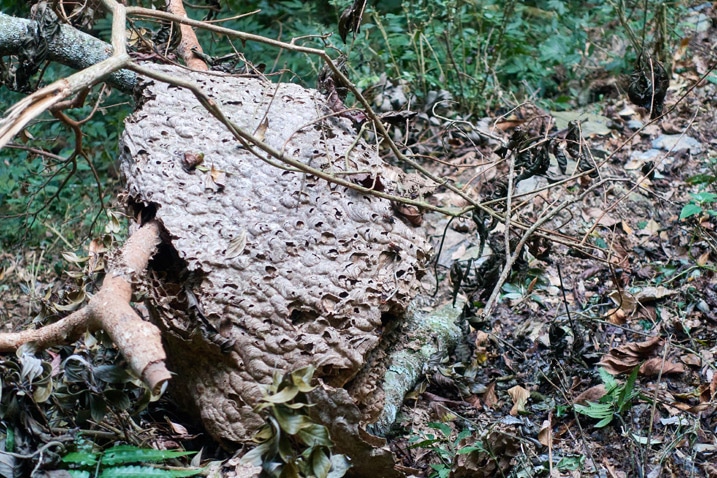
599 358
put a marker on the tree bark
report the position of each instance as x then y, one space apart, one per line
189 42
70 47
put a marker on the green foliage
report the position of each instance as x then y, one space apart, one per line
63 390
480 52
290 444
571 463
614 403
704 201
698 204
119 460
444 447
48 189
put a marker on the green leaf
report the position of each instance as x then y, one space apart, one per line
98 407
604 422
145 472
122 454
314 435
118 399
265 433
81 458
42 392
570 463
704 197
463 435
607 379
441 470
470 449
255 456
416 442
302 378
290 422
689 210
626 394
287 394
442 427
320 463
112 374
595 410
79 474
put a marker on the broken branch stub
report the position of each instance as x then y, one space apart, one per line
287 269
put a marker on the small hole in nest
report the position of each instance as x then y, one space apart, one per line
299 317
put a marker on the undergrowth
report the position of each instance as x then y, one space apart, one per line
486 55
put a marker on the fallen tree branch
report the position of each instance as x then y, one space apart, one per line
431 334
139 341
69 47
189 43
512 258
32 106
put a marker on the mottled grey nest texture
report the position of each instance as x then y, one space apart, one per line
288 269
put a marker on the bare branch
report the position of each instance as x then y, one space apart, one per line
139 341
70 47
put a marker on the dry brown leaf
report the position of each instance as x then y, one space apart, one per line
490 399
641 349
481 338
701 407
656 365
177 428
616 316
592 394
702 260
443 413
652 227
261 130
474 400
649 294
647 312
691 359
507 361
545 435
625 358
236 245
624 300
611 469
626 227
481 352
520 398
603 218
411 214
705 394
616 366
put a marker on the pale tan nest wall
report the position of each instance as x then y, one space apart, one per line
296 270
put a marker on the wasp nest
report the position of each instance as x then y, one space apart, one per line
287 269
